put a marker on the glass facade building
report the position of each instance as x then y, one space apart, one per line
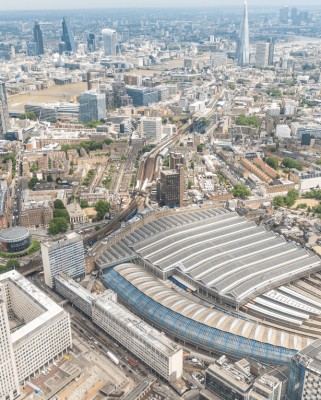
243 41
109 40
92 107
194 332
37 35
68 36
141 96
4 111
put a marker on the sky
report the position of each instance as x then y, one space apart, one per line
79 4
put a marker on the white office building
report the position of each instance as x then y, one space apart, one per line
218 60
63 255
151 127
149 345
109 40
37 331
262 55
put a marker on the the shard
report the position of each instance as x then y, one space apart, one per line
243 41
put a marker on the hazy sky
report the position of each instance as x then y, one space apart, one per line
77 4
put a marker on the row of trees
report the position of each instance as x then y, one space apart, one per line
242 120
61 218
287 201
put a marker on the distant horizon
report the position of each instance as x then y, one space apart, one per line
81 5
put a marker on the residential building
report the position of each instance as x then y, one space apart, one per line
42 335
243 41
110 41
37 36
4 111
34 214
63 255
92 107
170 187
305 374
68 36
151 128
262 54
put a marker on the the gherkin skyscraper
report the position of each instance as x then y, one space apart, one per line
243 41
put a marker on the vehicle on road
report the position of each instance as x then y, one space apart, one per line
112 357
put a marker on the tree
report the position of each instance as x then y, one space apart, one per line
190 184
101 208
231 86
32 183
293 193
123 158
146 149
273 162
241 191
12 264
289 201
57 225
258 86
49 178
318 161
97 227
278 200
192 164
28 115
58 204
72 226
181 144
65 147
84 204
59 213
290 163
108 141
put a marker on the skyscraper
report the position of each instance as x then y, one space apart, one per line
271 52
4 112
68 36
262 55
109 39
91 42
92 107
37 35
284 15
243 41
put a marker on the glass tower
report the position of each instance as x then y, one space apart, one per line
37 35
92 107
109 39
68 36
243 41
4 111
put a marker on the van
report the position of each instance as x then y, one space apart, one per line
55 364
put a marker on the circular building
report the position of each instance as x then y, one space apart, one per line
15 239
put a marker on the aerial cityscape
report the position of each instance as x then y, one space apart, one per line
160 195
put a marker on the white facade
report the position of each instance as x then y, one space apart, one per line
44 335
149 345
169 129
283 131
218 60
9 385
64 255
262 55
109 40
151 127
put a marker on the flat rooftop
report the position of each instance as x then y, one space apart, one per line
51 310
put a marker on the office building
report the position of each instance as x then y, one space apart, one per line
284 15
4 111
243 41
151 128
133 80
110 41
9 385
142 96
175 159
68 36
149 345
294 14
32 49
37 36
92 107
218 60
62 48
40 332
170 187
35 214
160 353
63 255
271 52
91 42
262 55
306 139
305 374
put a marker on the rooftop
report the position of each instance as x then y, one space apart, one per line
16 232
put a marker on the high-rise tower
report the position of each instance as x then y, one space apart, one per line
68 36
37 35
243 41
4 111
109 40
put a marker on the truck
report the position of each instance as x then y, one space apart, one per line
132 362
112 357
